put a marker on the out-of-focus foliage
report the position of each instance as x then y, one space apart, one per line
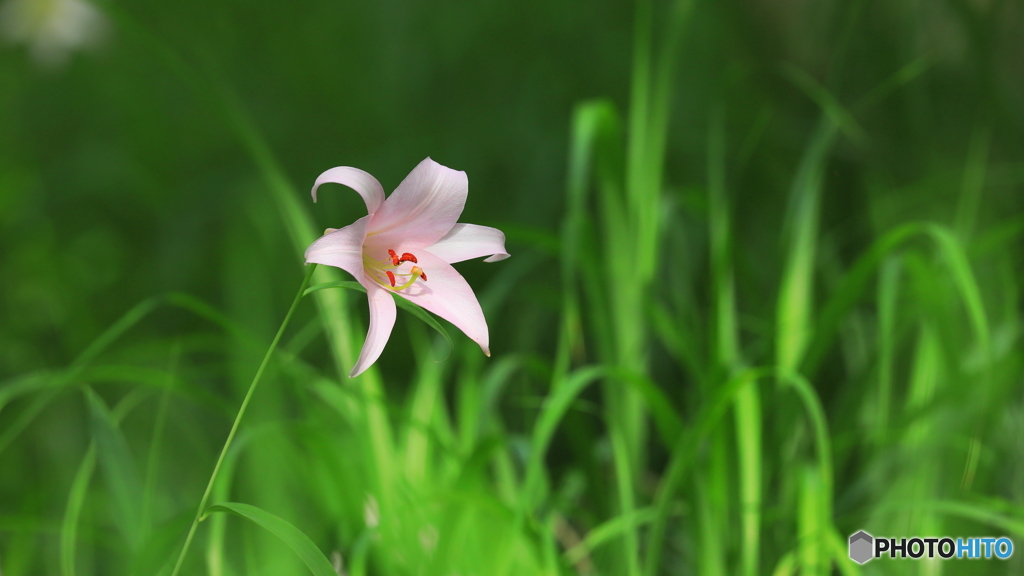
764 292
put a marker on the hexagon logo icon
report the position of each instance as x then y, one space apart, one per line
861 545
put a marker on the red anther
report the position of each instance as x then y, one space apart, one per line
394 258
406 257
417 270
391 277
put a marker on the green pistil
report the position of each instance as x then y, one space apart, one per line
407 284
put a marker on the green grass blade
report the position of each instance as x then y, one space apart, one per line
727 351
80 486
748 445
555 407
425 411
966 283
888 289
76 499
156 440
793 330
980 513
852 286
835 111
822 439
626 487
816 486
898 79
841 555
726 332
593 124
973 183
683 454
119 471
713 510
813 554
608 531
854 283
558 403
286 532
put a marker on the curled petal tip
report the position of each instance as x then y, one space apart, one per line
366 185
487 352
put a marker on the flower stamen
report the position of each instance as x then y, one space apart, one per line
392 275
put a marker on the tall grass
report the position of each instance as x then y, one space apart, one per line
753 334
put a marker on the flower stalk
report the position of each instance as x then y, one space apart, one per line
238 419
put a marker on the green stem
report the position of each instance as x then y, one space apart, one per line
238 419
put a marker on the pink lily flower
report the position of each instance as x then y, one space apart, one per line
406 245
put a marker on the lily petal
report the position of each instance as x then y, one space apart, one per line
382 320
362 182
447 294
342 248
422 209
466 241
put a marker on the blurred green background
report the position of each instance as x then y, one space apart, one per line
764 291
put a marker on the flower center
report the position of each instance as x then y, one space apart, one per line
385 272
